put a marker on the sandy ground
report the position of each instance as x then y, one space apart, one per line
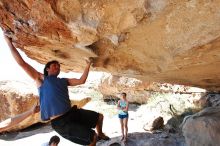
39 134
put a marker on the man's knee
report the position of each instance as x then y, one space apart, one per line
95 137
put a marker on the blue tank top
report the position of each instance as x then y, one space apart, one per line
54 97
122 104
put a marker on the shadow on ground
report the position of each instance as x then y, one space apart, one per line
32 130
146 139
134 139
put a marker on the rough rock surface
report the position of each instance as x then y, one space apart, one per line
146 139
15 98
209 100
155 124
203 128
139 91
154 40
111 86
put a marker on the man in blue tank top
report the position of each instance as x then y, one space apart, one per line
72 123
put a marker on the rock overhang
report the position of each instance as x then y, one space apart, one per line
165 41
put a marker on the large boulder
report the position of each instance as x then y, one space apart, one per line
154 40
16 97
203 128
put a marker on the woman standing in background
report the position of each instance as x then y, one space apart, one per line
123 115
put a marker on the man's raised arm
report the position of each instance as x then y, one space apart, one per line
34 74
82 80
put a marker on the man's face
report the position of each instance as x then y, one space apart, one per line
54 69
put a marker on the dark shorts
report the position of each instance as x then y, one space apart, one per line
76 125
122 116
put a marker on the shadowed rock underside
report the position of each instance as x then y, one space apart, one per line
154 40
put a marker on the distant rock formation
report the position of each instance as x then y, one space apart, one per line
139 91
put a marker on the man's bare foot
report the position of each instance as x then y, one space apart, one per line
103 136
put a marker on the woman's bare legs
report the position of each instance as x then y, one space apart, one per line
125 121
122 128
